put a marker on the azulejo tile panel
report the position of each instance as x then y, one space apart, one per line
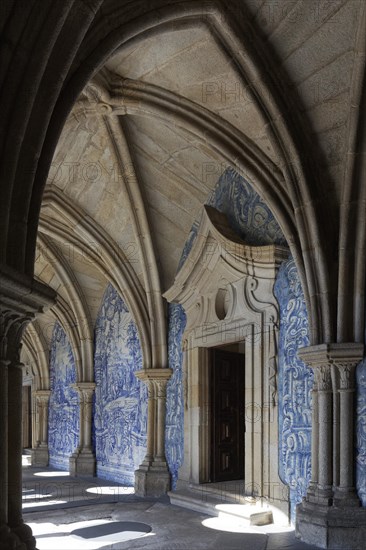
120 404
361 432
247 213
63 429
175 400
295 385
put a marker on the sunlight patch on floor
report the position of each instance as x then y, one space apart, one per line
111 490
59 537
52 473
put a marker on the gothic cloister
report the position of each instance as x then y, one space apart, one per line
182 254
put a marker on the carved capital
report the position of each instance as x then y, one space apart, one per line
85 391
156 381
332 354
160 388
21 299
347 375
42 396
323 378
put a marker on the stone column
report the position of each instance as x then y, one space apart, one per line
82 462
152 477
21 298
5 535
15 520
330 515
151 406
40 455
345 492
324 492
314 442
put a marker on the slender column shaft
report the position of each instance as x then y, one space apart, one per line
40 420
4 442
45 422
15 445
346 403
150 450
161 420
346 437
87 422
325 471
315 437
336 434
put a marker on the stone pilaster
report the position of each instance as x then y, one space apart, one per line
330 515
152 477
83 462
40 455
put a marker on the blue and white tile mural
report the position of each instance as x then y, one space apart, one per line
120 405
247 213
63 429
175 398
361 432
294 385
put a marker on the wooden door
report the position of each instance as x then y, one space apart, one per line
227 416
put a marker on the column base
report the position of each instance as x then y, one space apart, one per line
10 541
320 496
82 463
330 526
152 479
346 497
40 456
24 532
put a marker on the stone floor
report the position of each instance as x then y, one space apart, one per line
89 513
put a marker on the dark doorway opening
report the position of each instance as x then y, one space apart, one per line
227 415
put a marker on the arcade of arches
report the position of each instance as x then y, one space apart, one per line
182 252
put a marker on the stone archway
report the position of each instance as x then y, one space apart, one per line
226 289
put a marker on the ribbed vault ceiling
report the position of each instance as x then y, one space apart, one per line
136 177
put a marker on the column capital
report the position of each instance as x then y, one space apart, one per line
332 354
42 395
84 387
156 375
21 299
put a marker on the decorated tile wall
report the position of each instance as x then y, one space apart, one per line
120 404
175 398
294 385
63 429
361 432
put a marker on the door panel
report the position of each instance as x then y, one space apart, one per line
227 416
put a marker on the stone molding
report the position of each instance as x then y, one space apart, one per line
333 353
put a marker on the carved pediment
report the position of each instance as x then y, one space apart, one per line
222 277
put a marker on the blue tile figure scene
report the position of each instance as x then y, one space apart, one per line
175 399
63 430
120 406
361 432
